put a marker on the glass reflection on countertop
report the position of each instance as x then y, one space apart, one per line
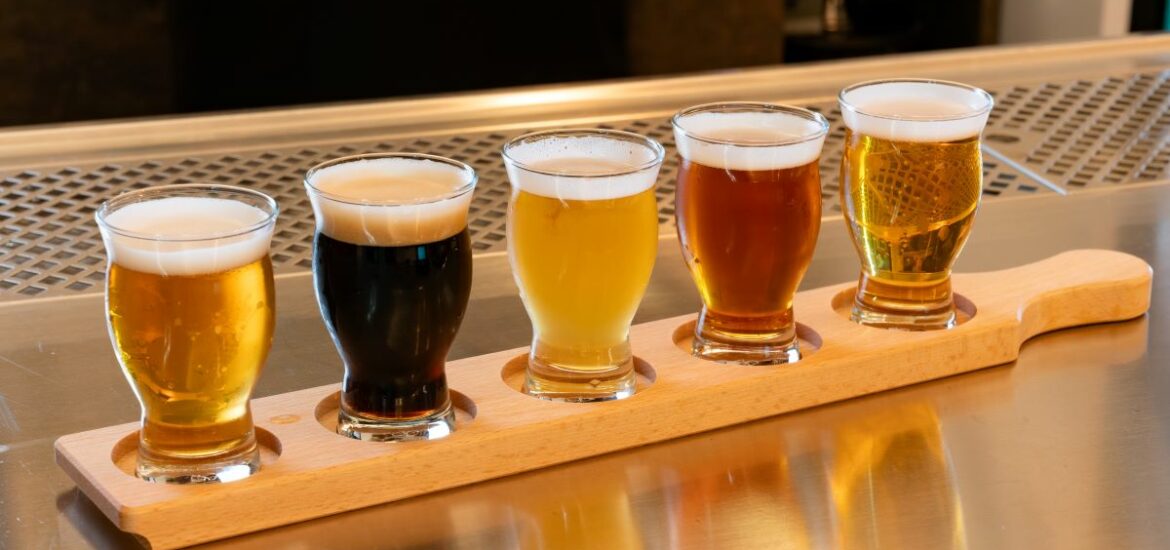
866 474
892 484
861 477
915 468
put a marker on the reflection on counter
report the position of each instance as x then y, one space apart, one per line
1079 386
865 473
858 476
889 471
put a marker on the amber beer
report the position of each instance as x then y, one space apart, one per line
911 178
748 210
190 298
392 269
582 238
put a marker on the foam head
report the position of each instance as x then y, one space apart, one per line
749 136
915 110
391 200
185 235
583 164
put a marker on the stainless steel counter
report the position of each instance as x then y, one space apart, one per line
1067 448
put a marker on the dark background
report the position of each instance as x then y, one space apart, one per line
92 59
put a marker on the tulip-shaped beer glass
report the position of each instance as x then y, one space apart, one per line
911 177
190 297
582 237
748 207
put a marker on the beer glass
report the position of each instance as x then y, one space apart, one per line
392 270
911 177
748 211
190 303
582 238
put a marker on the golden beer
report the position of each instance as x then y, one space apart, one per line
582 238
191 320
911 178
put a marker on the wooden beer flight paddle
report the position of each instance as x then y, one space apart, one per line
309 471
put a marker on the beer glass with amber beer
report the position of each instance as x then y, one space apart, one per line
392 269
748 211
911 177
582 238
189 295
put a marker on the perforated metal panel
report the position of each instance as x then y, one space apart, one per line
1077 134
1087 133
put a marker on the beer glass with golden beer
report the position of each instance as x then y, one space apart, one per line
582 238
911 177
392 269
190 299
748 211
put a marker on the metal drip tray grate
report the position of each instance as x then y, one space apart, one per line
1087 133
1075 134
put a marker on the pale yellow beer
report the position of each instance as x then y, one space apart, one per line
582 238
191 315
565 248
911 178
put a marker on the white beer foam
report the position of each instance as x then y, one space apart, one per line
761 140
388 201
915 111
183 231
574 167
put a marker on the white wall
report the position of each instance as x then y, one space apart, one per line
1044 20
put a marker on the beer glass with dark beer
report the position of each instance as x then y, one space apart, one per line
392 269
582 238
748 211
911 177
190 299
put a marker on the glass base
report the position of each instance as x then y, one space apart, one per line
745 354
588 391
925 304
580 392
580 375
766 340
232 466
437 425
902 321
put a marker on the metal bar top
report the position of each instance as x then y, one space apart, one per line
1068 447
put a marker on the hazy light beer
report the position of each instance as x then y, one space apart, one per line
191 312
392 269
911 178
582 238
748 211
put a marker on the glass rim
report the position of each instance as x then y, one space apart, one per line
752 106
621 135
463 189
977 91
156 192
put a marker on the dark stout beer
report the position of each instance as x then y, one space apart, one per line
392 268
393 312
